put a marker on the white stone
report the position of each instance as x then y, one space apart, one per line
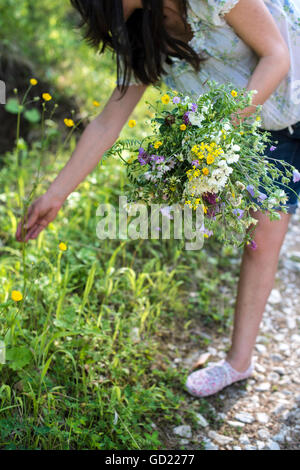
263 387
250 447
219 438
236 424
201 420
291 322
183 430
260 445
244 417
263 433
244 439
272 445
184 442
261 348
262 418
295 338
208 445
275 297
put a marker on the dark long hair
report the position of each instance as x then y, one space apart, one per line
140 43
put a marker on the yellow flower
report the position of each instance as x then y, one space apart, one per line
210 159
33 81
62 246
183 127
233 93
205 171
131 123
173 188
165 99
157 144
47 96
204 209
242 133
16 295
257 118
96 103
69 122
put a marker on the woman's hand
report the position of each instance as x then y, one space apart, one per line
40 213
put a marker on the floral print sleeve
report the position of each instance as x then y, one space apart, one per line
230 59
212 11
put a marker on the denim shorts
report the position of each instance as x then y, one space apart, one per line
287 143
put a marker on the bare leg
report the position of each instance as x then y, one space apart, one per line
257 274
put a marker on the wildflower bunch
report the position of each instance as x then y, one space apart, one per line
200 155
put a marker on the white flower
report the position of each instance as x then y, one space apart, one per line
226 127
196 119
233 158
236 148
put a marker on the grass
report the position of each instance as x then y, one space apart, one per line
91 347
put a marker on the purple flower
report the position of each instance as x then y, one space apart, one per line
207 232
176 100
211 198
185 118
143 157
272 148
157 159
253 245
194 107
296 176
195 162
238 212
250 189
262 196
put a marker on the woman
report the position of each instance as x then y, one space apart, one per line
252 43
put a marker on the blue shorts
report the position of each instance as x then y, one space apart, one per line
288 149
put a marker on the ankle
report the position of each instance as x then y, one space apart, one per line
239 364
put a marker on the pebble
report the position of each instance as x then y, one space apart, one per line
244 417
261 348
276 357
244 439
272 445
208 445
262 418
263 387
250 447
183 430
184 442
219 438
260 445
275 297
236 424
201 420
263 433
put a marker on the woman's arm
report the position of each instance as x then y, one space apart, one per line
255 25
98 137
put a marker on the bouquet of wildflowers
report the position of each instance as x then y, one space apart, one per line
197 156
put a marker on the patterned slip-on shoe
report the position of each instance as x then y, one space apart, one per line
213 378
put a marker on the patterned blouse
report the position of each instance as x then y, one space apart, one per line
230 59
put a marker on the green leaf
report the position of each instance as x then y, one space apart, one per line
18 357
12 106
32 115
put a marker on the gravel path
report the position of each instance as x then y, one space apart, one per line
264 413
